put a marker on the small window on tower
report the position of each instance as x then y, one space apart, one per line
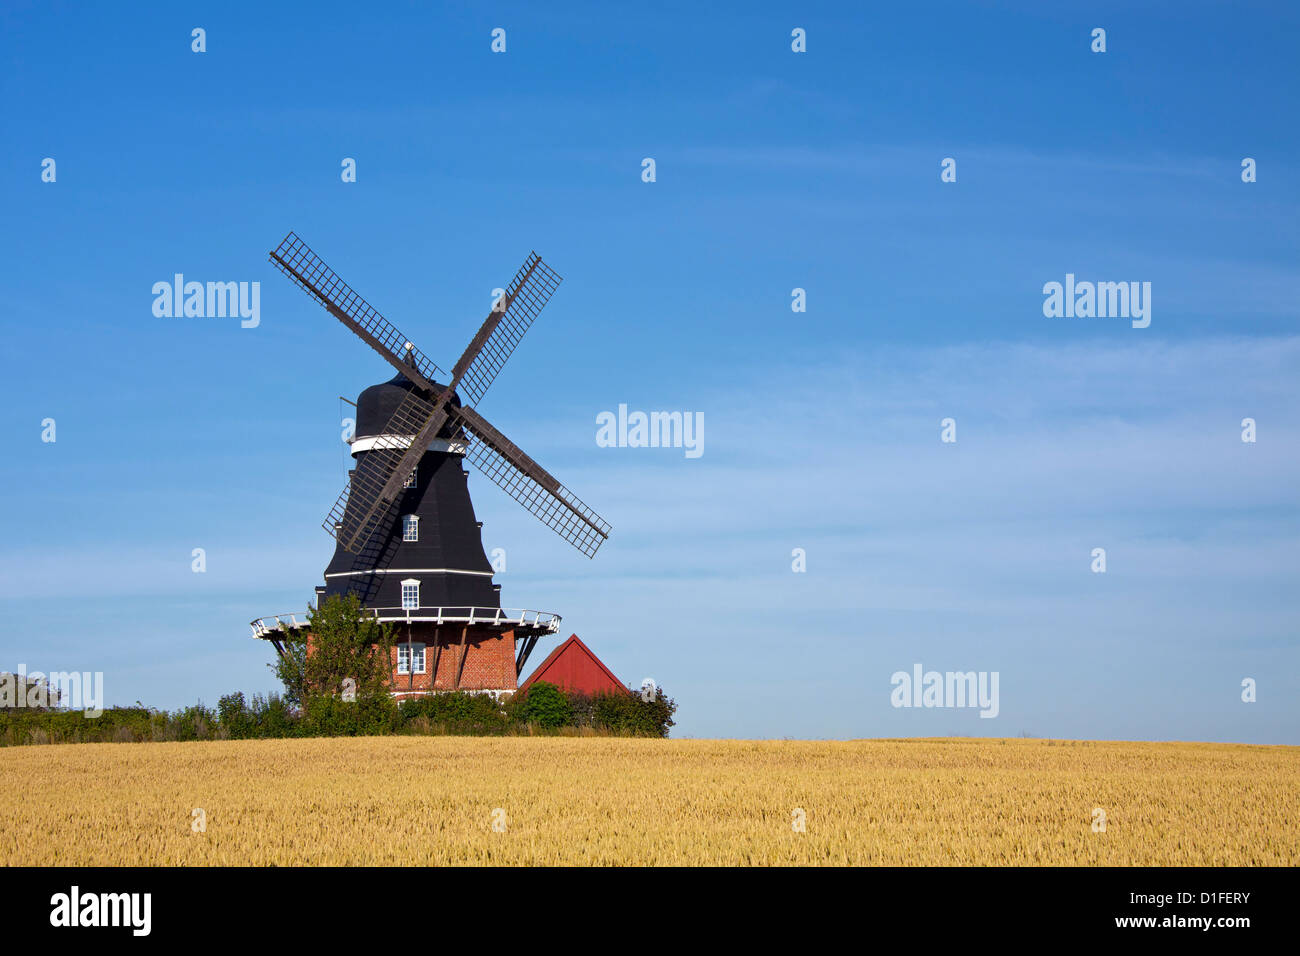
410 594
410 528
410 479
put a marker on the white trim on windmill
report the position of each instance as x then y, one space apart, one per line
371 442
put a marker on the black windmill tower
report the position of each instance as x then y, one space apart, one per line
408 542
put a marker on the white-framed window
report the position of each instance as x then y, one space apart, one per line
410 479
410 658
410 527
410 594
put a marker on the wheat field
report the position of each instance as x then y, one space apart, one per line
565 800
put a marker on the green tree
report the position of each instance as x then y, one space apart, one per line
291 668
346 642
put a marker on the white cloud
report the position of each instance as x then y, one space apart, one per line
978 550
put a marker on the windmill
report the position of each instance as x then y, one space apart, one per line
408 543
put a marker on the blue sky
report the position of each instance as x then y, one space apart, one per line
775 170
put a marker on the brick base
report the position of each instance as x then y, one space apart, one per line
488 659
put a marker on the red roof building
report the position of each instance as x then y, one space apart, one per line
572 666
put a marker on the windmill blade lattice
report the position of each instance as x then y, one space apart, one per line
528 293
511 469
296 260
369 500
378 476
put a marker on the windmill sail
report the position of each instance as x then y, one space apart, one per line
379 475
507 465
527 295
366 504
296 260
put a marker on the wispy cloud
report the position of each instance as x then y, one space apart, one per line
977 551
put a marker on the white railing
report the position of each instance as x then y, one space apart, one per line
542 620
276 622
496 616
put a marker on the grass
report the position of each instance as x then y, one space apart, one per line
592 800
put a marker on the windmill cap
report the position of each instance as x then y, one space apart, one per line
376 405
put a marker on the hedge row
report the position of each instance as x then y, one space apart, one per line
544 708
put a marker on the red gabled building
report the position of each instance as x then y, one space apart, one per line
573 666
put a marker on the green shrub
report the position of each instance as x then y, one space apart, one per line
583 707
545 705
457 712
272 716
191 723
325 715
628 713
234 716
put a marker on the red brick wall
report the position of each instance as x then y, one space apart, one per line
489 659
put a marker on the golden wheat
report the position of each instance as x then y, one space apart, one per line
434 800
